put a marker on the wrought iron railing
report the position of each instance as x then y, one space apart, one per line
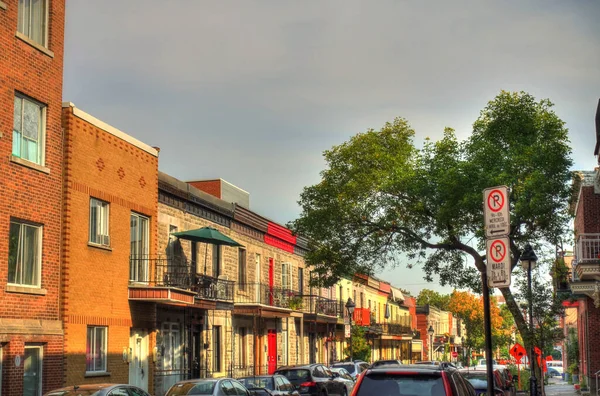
396 329
181 273
319 305
259 293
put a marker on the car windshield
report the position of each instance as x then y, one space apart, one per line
192 388
295 376
478 380
400 384
258 382
349 367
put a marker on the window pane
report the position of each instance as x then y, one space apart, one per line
100 348
89 350
30 255
31 120
38 20
13 253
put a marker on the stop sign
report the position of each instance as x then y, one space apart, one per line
454 354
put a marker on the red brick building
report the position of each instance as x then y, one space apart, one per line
585 281
31 165
110 217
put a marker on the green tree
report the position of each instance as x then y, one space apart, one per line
431 297
382 200
361 350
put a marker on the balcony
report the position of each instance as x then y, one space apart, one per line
362 316
320 309
174 280
399 327
586 266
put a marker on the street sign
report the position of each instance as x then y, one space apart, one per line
347 331
454 354
498 262
495 212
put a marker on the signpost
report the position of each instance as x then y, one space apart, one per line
498 262
496 219
495 212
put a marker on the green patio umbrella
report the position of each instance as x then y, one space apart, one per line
207 235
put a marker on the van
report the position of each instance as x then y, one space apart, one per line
555 365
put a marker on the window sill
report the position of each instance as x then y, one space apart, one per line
29 164
25 290
35 45
89 374
101 247
2 5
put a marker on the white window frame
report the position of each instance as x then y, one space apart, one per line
38 265
172 343
41 156
286 270
101 236
40 348
44 28
138 263
91 346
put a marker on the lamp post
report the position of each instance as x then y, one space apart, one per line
528 260
350 308
430 331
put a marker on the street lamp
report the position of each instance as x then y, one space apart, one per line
430 331
350 308
528 260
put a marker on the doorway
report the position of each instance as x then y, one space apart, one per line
272 350
138 367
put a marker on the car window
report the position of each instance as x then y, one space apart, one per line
327 372
363 367
459 384
192 388
120 391
288 384
318 372
137 391
239 388
227 388
390 385
349 367
295 375
279 385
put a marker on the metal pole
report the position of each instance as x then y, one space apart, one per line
488 334
532 380
431 347
351 357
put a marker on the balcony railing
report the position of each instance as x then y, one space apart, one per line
587 248
180 273
319 305
398 326
362 316
260 293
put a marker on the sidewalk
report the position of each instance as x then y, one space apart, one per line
558 387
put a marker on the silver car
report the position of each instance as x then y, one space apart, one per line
209 387
99 390
354 368
345 377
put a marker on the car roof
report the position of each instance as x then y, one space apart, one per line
88 387
304 366
260 376
418 368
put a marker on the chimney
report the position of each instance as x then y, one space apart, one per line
223 190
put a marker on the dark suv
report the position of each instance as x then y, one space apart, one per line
314 380
412 380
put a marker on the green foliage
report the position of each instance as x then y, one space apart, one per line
556 354
360 348
433 298
295 302
572 346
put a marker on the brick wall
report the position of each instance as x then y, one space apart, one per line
212 187
31 193
102 165
586 218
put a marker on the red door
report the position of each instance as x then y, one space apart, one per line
270 281
272 350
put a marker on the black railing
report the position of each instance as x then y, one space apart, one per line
396 329
236 371
319 305
259 293
181 274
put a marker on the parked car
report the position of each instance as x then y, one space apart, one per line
277 385
385 363
99 390
555 368
416 380
313 379
508 382
478 378
482 365
344 377
209 386
354 368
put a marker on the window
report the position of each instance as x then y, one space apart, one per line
216 260
242 279
99 222
285 276
28 130
216 352
301 281
33 20
172 354
95 354
286 347
138 268
243 346
24 254
32 370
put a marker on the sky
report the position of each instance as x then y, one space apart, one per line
253 92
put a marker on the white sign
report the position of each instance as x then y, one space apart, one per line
495 212
498 262
347 331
